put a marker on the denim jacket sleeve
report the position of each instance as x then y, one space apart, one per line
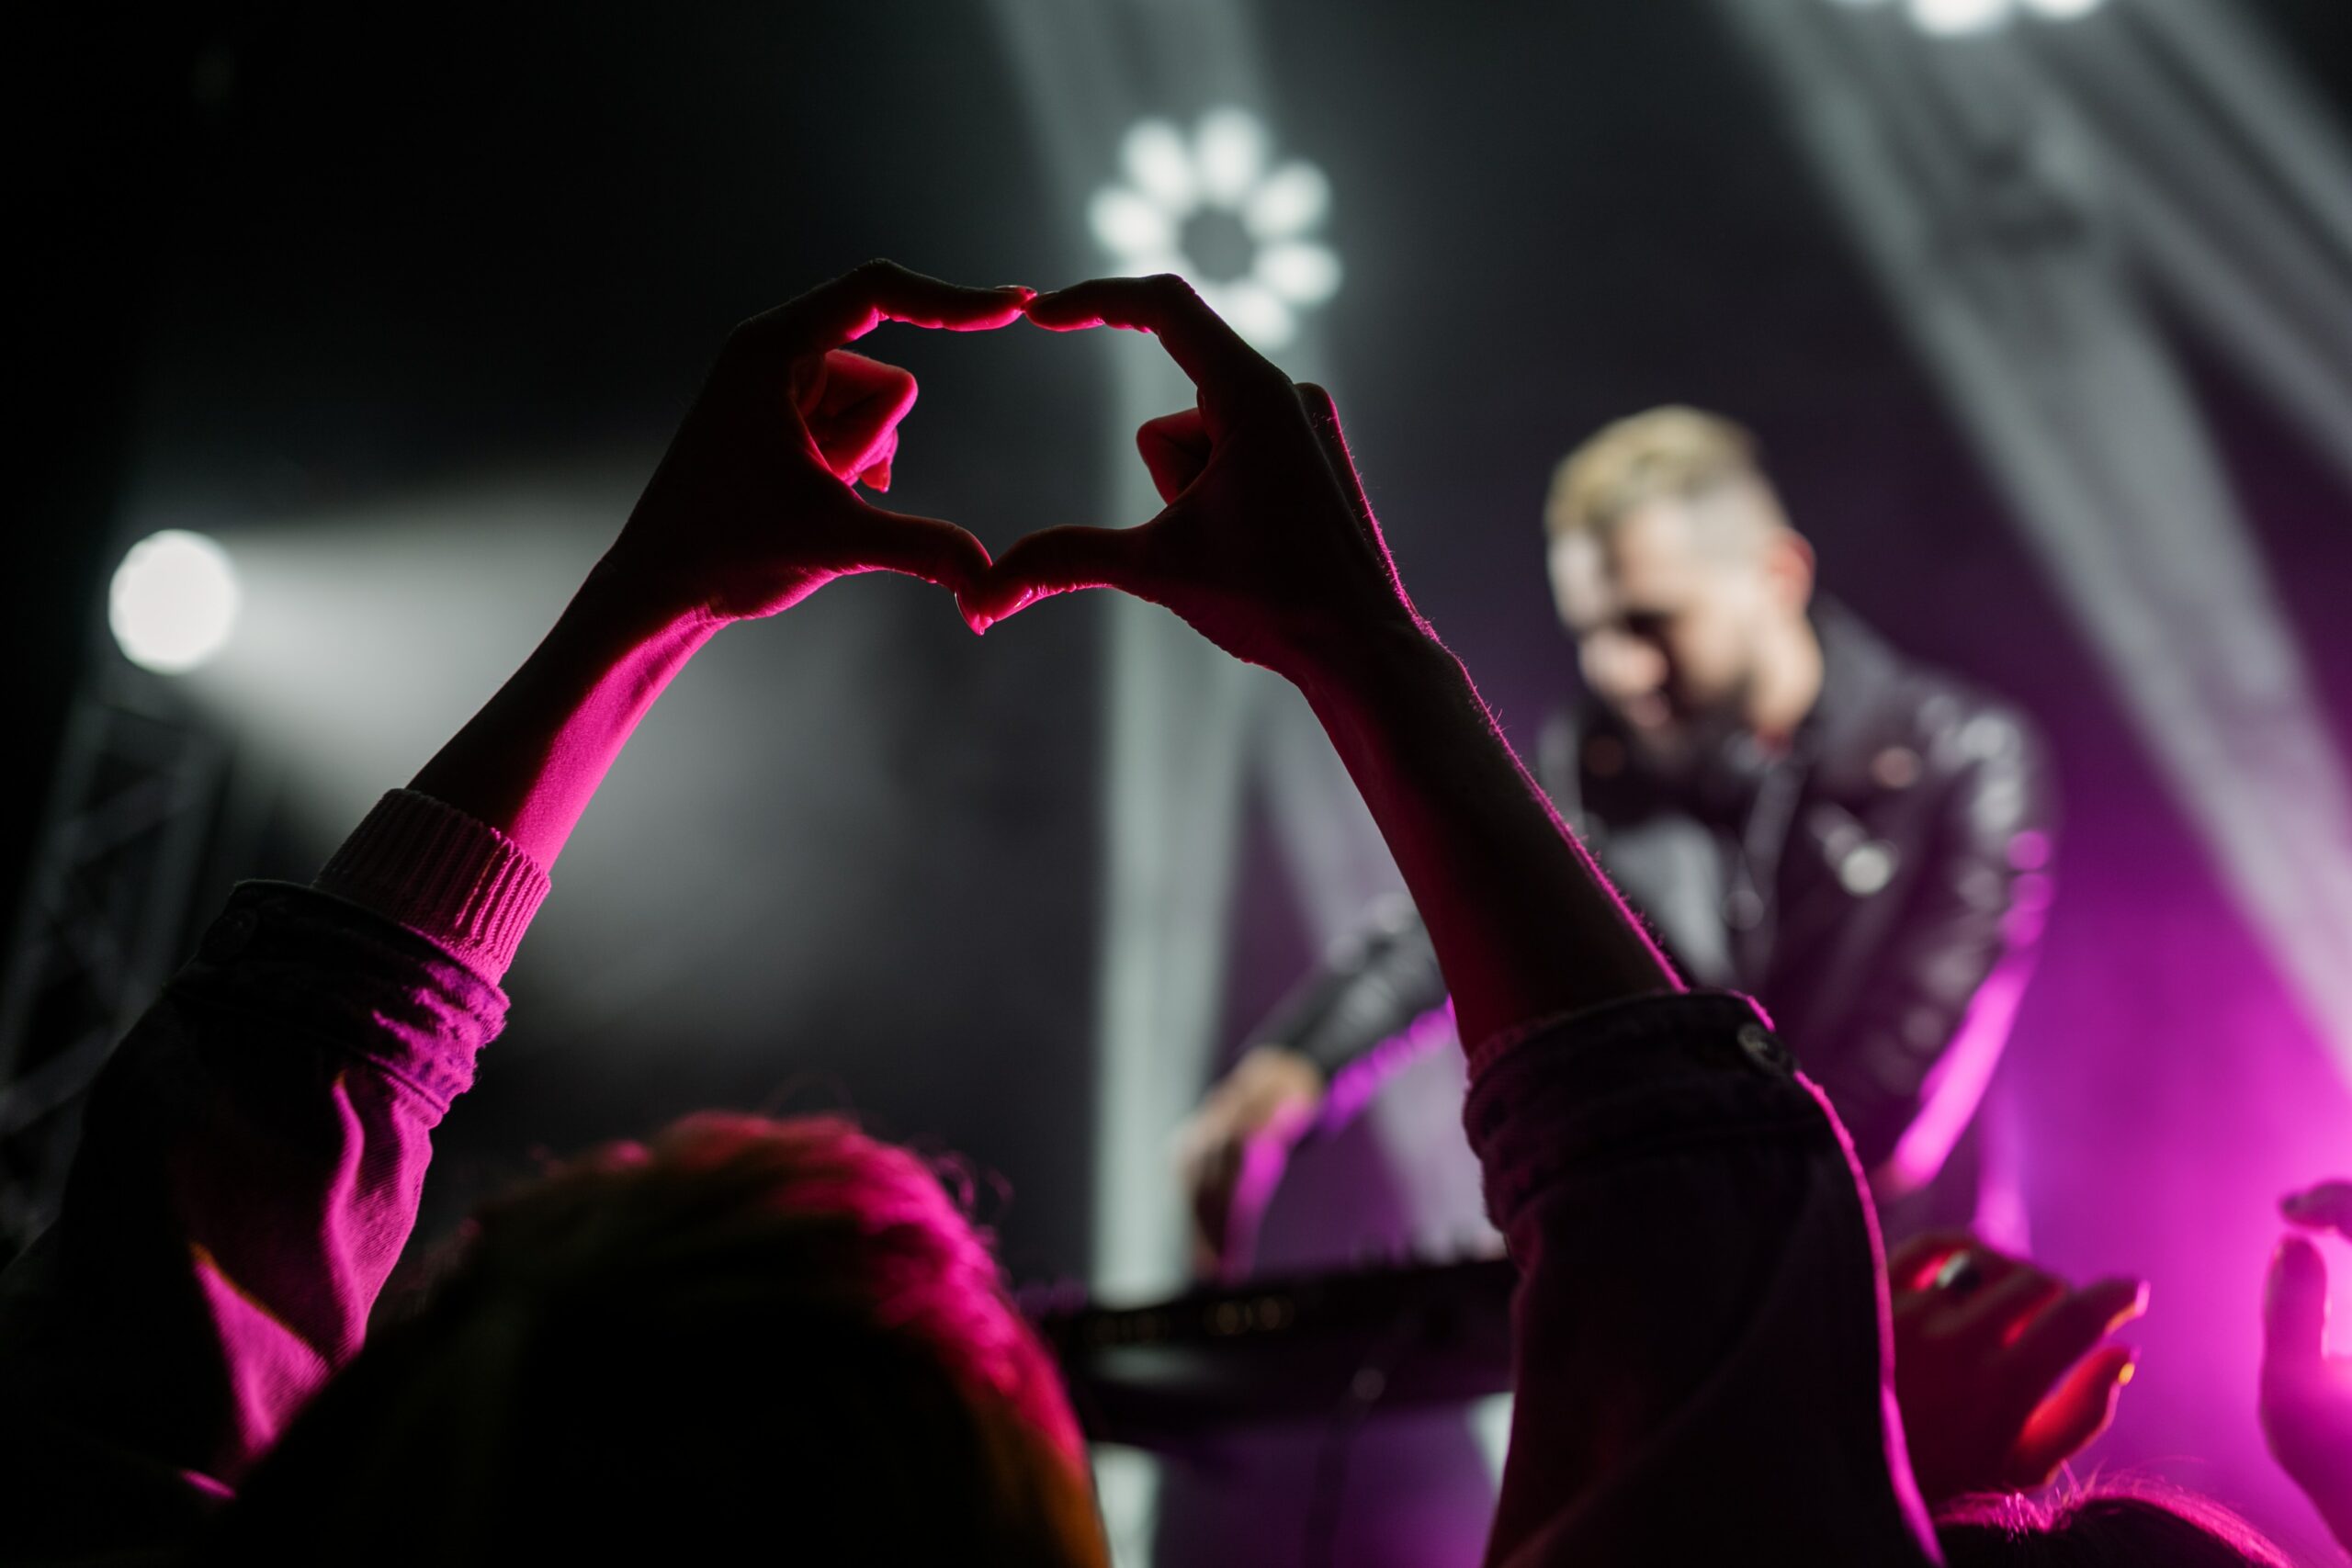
1699 1332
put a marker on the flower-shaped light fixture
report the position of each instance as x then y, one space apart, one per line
1211 209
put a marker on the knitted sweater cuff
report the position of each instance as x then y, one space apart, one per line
455 880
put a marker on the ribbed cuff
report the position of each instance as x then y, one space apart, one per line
458 883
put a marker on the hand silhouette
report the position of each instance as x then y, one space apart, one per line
1266 545
752 508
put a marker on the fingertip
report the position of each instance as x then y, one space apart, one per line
2121 1299
2296 1266
2294 1302
2326 1206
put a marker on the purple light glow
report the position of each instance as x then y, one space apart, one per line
2167 1094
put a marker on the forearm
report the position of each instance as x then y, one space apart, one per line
1524 924
530 761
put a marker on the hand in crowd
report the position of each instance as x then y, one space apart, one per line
1998 1367
2306 1394
1266 545
752 508
1231 1151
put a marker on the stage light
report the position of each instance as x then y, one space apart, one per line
1298 273
173 602
1229 152
1127 224
1254 311
1209 208
1162 166
1952 18
1292 201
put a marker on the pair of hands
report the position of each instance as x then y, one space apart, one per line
1266 545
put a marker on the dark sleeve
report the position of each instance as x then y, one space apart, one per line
1369 988
1699 1330
249 1171
1934 1014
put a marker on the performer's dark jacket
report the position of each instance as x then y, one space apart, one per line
1879 885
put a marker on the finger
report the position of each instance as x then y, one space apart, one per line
853 381
864 297
1175 447
2072 1419
1213 1179
2327 1206
2062 1334
1195 337
1913 1263
873 470
1058 561
2294 1305
919 546
855 411
1262 1163
848 450
2009 1291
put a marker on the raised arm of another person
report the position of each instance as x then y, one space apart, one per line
1998 1365
253 1155
1702 1373
2306 1394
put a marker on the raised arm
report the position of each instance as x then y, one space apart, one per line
750 512
1698 1329
1268 548
253 1153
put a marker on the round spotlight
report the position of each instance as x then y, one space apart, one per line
1955 16
173 602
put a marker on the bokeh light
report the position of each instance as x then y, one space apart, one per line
173 602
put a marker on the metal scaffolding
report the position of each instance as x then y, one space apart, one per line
131 806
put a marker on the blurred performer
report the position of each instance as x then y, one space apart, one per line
1800 812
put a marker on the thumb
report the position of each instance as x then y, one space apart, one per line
2073 1417
919 547
1175 448
1057 560
2327 1206
2294 1305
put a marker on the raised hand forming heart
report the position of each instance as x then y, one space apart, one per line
1266 545
752 508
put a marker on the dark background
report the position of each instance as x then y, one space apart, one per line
294 266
